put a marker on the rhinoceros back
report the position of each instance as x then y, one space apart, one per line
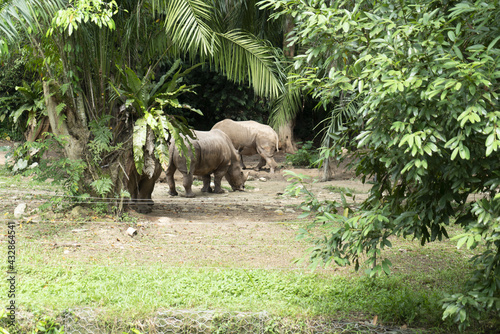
211 150
247 136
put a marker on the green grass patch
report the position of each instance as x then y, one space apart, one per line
345 190
135 292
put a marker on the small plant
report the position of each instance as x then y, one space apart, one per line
249 187
127 218
306 156
102 138
48 325
102 186
345 190
3 319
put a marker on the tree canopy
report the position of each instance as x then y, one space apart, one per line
425 75
112 70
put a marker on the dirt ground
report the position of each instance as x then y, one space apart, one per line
256 228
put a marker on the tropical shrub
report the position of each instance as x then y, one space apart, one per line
426 77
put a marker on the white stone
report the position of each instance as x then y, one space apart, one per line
131 231
19 210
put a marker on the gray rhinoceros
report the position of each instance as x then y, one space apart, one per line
213 154
250 137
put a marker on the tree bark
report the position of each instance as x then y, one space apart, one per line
285 135
119 165
327 174
285 131
141 186
76 134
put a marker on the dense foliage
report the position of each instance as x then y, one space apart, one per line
112 72
14 72
425 75
219 98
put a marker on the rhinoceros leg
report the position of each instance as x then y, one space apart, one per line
206 184
170 179
218 175
187 182
266 157
241 162
261 164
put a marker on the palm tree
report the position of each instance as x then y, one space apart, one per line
255 17
98 55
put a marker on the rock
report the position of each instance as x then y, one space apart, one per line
79 211
19 210
290 210
279 211
262 179
131 231
49 215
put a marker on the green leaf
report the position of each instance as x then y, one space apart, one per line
345 26
458 52
60 107
470 242
386 266
461 241
492 44
451 35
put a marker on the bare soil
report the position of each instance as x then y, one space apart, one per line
256 228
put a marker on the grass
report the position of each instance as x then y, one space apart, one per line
123 288
135 292
127 289
337 189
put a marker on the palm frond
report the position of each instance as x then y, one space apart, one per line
344 113
24 15
186 25
286 107
241 56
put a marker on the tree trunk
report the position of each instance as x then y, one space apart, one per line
36 129
327 174
141 186
118 165
288 48
285 135
285 131
75 132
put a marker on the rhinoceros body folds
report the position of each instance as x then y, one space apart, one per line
249 138
213 154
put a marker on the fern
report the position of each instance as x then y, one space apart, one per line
102 186
102 138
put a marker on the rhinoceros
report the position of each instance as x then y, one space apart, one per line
213 154
250 137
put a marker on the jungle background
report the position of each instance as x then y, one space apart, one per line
403 94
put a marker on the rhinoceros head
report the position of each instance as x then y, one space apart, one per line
236 178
